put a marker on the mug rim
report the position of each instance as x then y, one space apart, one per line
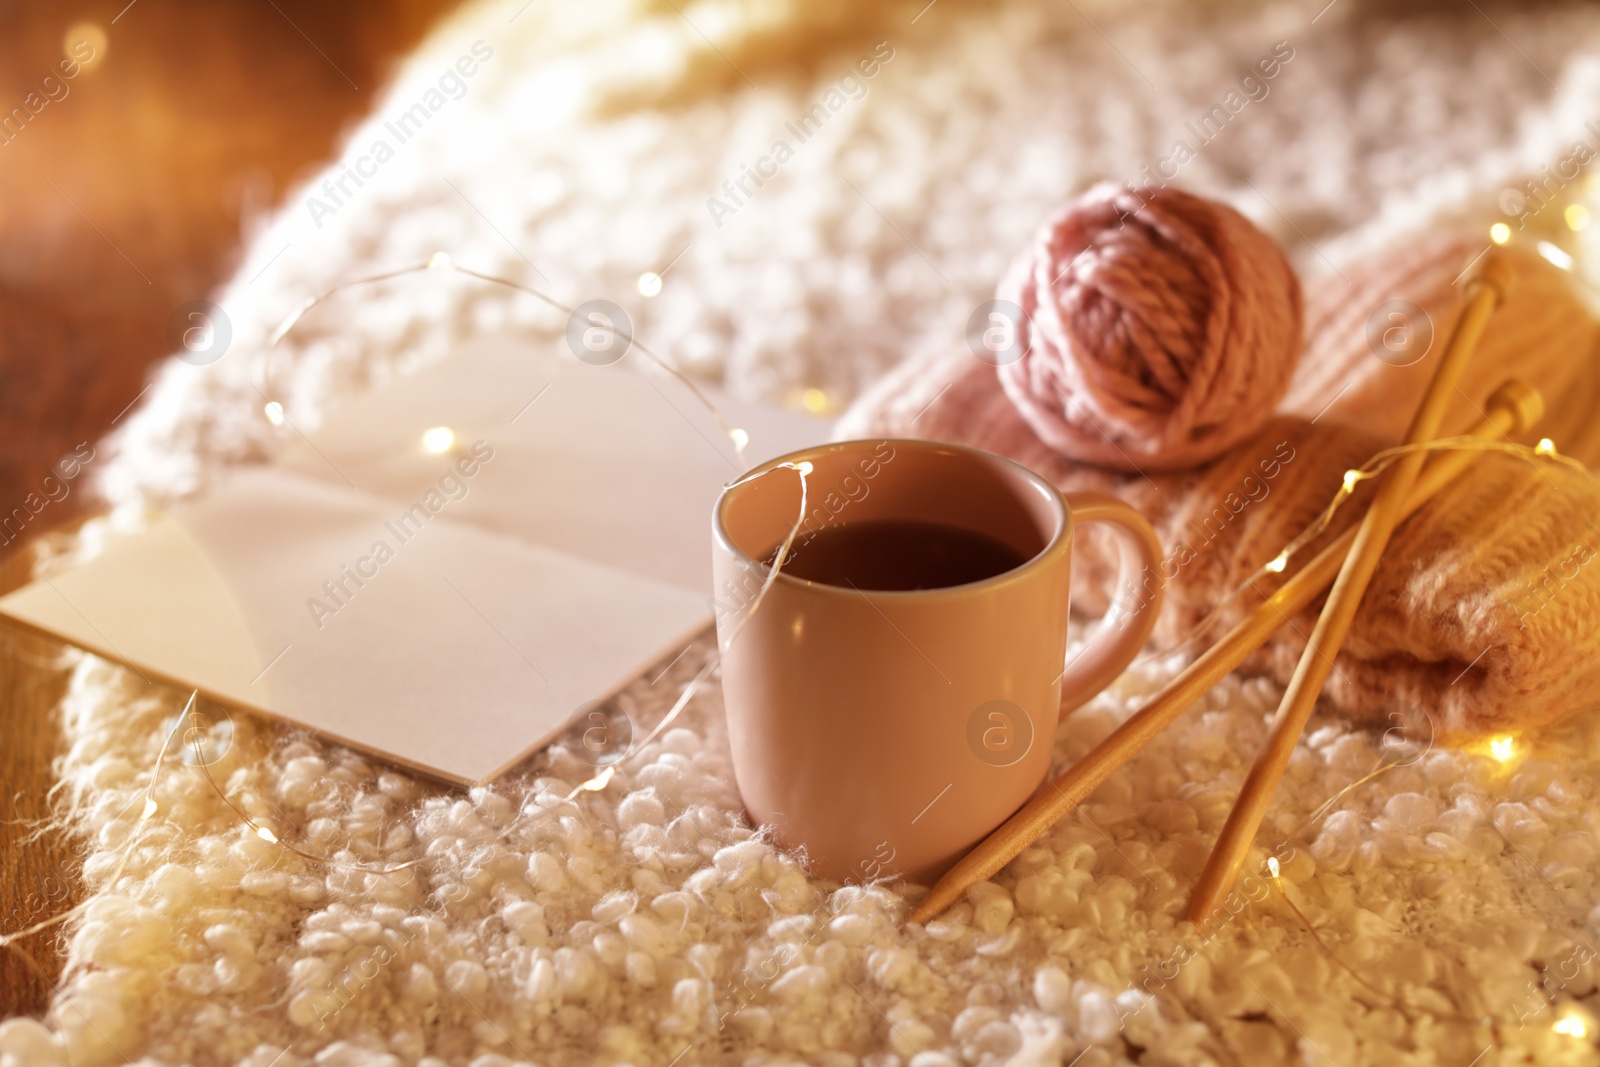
1058 542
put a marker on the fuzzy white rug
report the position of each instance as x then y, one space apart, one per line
648 923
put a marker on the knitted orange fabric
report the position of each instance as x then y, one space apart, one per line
1544 333
1483 611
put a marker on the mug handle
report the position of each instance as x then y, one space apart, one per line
1139 569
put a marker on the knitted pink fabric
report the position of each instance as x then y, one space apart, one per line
1157 328
1544 330
1481 610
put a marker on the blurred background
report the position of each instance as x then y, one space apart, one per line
127 195
134 192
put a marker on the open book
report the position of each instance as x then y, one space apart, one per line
446 600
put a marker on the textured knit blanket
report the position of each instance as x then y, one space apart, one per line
578 146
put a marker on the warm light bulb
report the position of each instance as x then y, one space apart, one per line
266 835
1499 233
84 44
1272 867
1555 254
149 808
1545 447
595 784
1503 748
441 261
274 412
649 283
804 467
1350 480
814 401
1279 562
1572 1026
1577 217
439 440
740 438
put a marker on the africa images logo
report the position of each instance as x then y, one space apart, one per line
451 85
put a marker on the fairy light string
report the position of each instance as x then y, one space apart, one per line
150 806
1544 451
442 261
1275 877
803 469
267 834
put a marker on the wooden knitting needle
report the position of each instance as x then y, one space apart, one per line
1485 290
1513 408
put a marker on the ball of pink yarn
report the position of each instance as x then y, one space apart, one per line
1158 328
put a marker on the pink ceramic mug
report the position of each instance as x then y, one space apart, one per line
887 732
